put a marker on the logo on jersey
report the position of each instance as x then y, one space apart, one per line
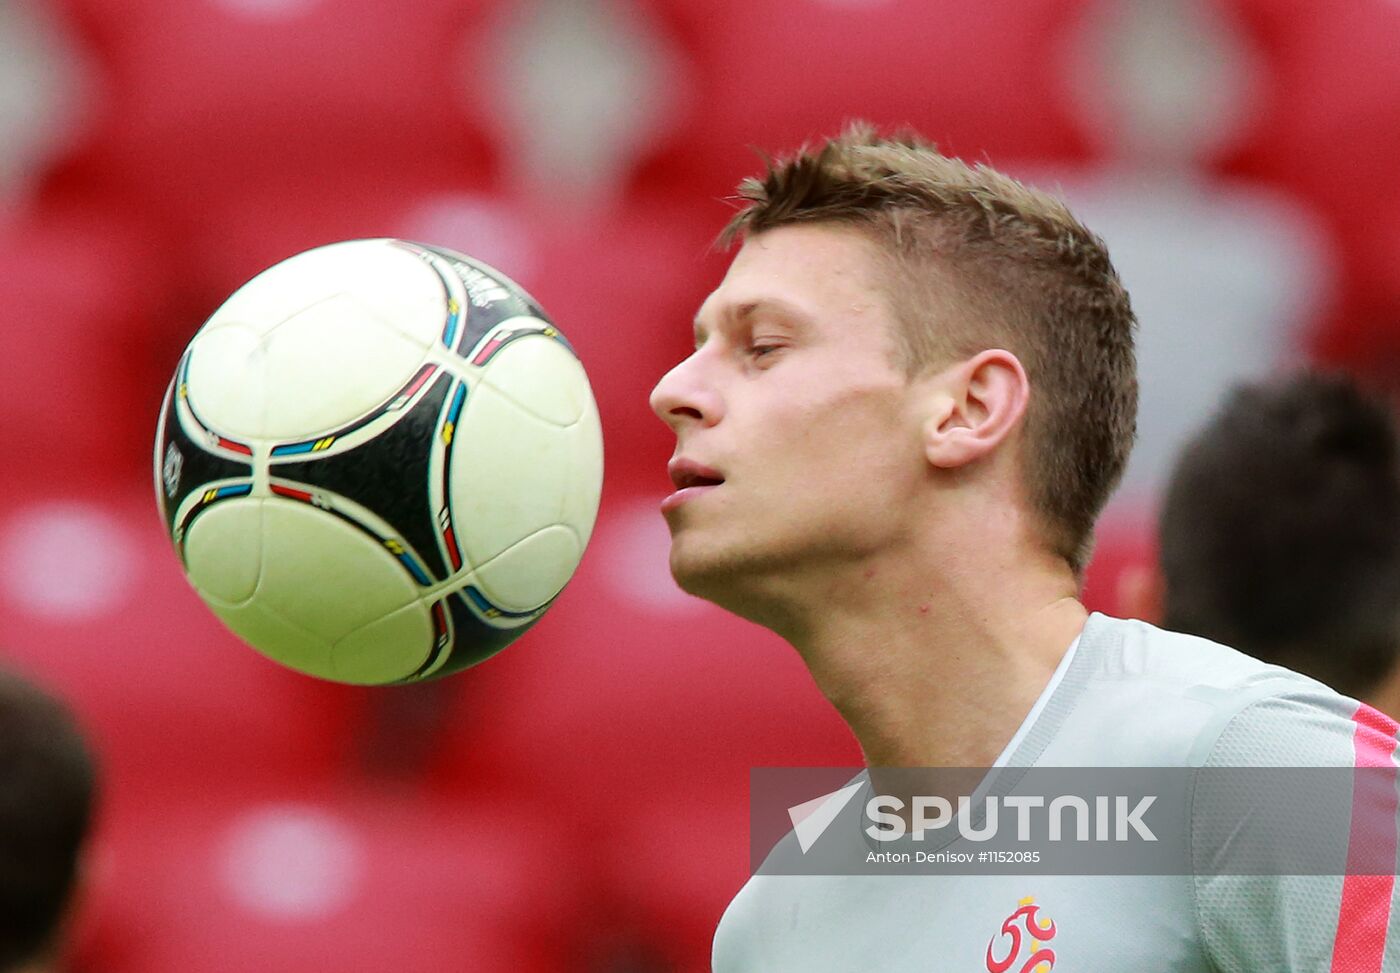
1020 946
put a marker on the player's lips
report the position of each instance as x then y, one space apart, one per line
690 479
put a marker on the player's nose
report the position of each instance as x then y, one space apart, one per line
682 396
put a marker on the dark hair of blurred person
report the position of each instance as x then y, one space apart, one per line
1280 535
46 798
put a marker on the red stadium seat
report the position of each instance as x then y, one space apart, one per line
218 114
220 94
1330 128
680 863
83 287
983 80
305 878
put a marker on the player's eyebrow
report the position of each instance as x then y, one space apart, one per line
742 312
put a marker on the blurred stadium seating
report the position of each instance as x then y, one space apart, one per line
300 877
578 803
983 80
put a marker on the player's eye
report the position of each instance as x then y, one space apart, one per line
762 350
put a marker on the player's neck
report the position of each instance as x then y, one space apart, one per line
945 679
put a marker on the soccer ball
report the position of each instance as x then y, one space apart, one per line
379 462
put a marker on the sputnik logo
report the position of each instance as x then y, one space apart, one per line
810 819
1023 933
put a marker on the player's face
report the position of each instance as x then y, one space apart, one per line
797 441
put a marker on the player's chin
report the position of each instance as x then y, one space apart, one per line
699 568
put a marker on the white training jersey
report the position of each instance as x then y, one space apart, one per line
1129 695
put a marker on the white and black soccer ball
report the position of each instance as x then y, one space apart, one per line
379 462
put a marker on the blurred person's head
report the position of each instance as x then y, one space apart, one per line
1280 533
46 800
937 340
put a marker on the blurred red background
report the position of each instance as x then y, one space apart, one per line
579 802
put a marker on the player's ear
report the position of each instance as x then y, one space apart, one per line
1141 592
977 404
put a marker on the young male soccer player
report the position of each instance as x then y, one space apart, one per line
1280 535
910 397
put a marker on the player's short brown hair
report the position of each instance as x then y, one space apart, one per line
1280 531
47 782
980 261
